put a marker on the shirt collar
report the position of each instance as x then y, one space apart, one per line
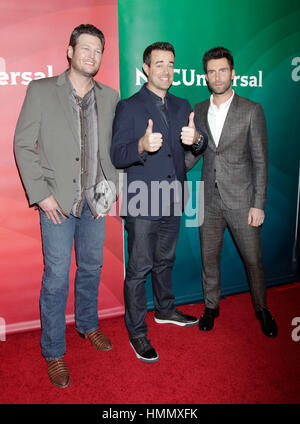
155 97
223 105
72 89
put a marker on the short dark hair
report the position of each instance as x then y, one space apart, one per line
156 46
217 53
86 29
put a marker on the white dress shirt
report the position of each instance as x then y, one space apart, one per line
216 117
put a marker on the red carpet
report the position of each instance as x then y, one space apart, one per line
235 363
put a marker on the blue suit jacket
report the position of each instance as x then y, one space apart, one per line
141 171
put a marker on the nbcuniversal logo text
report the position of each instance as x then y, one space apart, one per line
21 77
189 77
296 70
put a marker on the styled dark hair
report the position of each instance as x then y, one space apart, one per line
85 29
157 46
217 53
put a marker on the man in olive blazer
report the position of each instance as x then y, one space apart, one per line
62 148
235 184
47 148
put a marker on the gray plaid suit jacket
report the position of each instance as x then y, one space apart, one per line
239 163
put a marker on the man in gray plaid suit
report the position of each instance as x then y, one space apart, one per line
235 184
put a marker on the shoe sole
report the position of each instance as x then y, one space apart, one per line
181 324
141 358
205 328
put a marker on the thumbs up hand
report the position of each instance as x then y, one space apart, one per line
150 142
189 134
191 120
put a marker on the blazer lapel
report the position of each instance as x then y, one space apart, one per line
100 100
64 98
230 120
206 126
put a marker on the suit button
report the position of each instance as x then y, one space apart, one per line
77 159
74 181
169 155
169 176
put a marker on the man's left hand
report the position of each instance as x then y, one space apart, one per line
189 134
256 217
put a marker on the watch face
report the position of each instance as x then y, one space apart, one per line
198 141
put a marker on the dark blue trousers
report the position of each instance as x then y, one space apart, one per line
151 247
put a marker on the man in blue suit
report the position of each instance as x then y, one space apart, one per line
151 132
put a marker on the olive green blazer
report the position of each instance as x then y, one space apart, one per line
46 145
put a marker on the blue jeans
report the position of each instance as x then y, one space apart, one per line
88 234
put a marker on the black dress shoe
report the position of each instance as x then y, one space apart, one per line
206 322
267 322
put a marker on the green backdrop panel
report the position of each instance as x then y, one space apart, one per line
263 36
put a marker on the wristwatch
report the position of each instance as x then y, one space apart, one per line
199 140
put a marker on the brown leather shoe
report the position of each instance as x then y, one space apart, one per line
58 373
99 340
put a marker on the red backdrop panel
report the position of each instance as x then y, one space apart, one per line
34 37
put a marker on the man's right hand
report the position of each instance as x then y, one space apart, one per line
51 209
150 142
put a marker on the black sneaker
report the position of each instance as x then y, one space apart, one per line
177 317
143 349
